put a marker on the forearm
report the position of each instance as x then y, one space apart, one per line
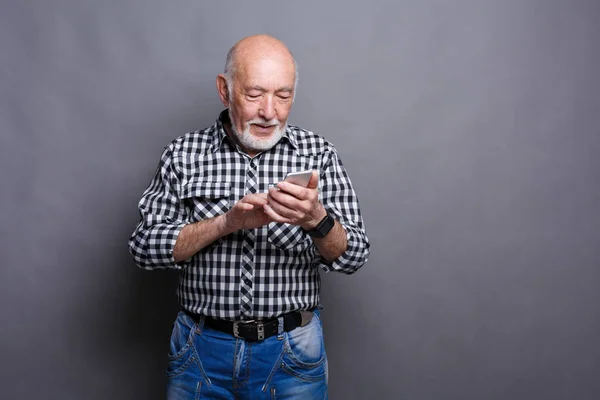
334 244
194 237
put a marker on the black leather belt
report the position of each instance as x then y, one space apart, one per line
255 330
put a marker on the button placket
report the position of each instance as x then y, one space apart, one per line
248 251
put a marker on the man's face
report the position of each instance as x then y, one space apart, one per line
261 99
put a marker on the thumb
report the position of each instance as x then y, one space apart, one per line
314 180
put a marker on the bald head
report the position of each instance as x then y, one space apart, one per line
253 49
258 87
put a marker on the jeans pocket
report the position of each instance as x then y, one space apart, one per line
181 347
304 355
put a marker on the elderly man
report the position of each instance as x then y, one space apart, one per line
250 245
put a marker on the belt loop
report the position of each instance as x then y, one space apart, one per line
280 328
200 323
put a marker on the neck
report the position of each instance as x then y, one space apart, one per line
234 139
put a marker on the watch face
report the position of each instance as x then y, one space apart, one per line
324 226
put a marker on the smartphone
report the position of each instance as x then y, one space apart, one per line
300 178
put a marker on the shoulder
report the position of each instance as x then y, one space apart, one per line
195 142
308 142
182 150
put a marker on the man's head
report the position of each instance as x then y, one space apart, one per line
258 86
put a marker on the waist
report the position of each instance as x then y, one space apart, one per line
255 330
222 304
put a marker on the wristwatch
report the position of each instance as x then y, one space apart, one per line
323 228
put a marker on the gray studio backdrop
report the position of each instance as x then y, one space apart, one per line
470 130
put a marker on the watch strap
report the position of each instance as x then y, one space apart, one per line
322 228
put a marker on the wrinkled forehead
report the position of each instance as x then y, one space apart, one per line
266 71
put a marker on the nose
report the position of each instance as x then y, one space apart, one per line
267 108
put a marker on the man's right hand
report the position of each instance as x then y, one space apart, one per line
247 213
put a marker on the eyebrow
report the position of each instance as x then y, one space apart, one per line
285 89
262 89
256 87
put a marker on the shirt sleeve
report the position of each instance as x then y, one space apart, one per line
162 217
340 200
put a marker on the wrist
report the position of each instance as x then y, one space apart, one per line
323 228
321 214
224 224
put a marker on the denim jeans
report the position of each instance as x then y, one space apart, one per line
208 364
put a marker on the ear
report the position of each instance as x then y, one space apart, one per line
223 90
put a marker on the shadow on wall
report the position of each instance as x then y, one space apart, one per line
119 327
125 328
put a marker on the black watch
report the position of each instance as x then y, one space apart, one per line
323 228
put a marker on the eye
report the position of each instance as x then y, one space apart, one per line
253 94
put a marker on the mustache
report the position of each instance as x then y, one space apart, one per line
263 122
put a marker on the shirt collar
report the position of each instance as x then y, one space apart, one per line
220 134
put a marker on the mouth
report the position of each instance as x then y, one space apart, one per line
264 129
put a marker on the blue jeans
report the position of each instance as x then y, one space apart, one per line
208 364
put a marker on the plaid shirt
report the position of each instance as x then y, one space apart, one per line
276 267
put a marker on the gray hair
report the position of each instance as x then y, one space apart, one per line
230 71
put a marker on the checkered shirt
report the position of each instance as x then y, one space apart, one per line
274 269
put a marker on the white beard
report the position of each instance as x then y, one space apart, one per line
251 142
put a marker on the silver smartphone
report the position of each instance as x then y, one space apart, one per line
300 178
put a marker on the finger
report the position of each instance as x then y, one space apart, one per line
257 199
284 199
261 195
246 206
299 192
292 189
282 209
274 216
295 202
314 180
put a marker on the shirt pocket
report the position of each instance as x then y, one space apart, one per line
204 199
288 237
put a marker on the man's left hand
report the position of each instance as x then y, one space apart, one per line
296 205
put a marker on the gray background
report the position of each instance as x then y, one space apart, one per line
470 130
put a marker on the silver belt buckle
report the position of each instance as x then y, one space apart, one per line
260 328
236 329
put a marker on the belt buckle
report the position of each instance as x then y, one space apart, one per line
260 328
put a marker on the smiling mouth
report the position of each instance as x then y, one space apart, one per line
264 129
